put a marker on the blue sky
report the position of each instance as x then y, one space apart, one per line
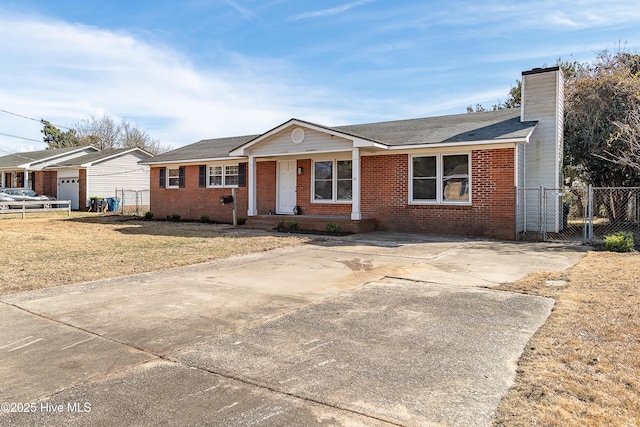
195 69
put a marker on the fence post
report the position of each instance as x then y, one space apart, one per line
590 209
540 212
517 211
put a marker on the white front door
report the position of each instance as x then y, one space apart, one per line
286 191
69 189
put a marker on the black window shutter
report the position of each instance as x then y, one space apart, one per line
163 172
181 177
202 177
242 175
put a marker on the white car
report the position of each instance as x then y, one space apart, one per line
23 194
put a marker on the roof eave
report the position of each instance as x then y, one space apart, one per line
521 140
198 160
113 156
365 143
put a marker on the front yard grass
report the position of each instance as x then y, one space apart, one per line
40 252
582 367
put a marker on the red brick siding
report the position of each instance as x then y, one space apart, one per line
46 182
303 195
83 198
385 197
193 201
266 187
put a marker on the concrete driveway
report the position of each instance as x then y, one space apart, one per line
372 329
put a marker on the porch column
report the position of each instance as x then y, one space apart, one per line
2 179
25 179
355 182
253 210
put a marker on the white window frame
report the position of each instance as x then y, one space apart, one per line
223 174
334 182
439 200
168 177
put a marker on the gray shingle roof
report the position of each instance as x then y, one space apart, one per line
16 159
463 128
205 149
468 127
94 157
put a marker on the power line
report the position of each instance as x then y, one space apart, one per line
20 137
31 118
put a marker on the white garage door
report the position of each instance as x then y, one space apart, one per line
68 189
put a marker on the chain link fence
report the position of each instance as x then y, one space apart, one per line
133 202
614 209
577 213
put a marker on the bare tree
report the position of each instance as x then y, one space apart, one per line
625 141
105 132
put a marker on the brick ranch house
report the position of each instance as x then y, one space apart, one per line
453 174
76 173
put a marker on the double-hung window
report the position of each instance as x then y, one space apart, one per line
223 176
441 178
173 177
332 181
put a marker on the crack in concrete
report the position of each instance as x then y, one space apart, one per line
166 357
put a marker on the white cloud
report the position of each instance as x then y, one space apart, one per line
330 11
64 73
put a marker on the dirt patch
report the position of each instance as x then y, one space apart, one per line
582 367
52 251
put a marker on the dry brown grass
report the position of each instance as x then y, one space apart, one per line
582 367
39 252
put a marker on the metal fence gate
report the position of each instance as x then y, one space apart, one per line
585 214
133 202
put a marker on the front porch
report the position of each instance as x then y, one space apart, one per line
312 223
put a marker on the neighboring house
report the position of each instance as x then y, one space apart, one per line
77 173
453 174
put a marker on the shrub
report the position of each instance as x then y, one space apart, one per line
204 218
291 225
332 227
242 221
622 241
148 216
174 217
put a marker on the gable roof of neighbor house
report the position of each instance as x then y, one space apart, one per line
99 156
463 129
24 160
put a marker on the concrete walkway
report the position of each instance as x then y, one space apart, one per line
372 329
